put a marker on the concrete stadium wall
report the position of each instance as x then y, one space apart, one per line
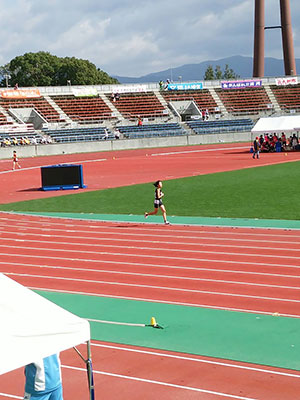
125 144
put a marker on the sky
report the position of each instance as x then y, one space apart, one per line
137 37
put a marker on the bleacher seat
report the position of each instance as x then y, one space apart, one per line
221 126
84 109
78 134
145 105
151 130
40 104
288 97
247 101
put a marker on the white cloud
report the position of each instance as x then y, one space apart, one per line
135 37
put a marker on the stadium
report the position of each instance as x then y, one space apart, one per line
204 307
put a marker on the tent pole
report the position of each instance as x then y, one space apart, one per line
90 371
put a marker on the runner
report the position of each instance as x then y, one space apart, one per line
158 202
15 160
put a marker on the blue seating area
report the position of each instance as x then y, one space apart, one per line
221 126
151 130
78 134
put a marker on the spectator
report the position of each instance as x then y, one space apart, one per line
256 147
105 134
140 121
294 142
117 133
206 114
43 379
16 87
161 85
283 139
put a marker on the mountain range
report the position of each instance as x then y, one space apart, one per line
241 65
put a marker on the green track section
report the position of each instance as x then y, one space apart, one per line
246 337
157 219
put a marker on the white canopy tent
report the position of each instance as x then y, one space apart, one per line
33 327
277 124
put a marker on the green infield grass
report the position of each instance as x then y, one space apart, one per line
270 192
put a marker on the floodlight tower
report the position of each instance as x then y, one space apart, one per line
259 38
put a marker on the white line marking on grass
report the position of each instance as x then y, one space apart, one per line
198 360
101 321
193 389
178 303
135 285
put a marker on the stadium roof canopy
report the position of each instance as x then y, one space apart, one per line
277 124
32 327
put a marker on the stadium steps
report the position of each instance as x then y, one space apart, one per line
165 104
219 102
111 106
273 99
58 109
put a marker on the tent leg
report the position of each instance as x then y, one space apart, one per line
90 371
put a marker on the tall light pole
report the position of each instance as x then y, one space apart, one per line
259 38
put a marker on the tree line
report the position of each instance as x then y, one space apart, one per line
45 69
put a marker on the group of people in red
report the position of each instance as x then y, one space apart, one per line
272 143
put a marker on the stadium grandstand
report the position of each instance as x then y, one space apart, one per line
49 115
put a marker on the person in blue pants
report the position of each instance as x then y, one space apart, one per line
43 379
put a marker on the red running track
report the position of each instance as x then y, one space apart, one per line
253 270
122 168
214 267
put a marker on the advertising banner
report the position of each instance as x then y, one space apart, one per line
85 92
20 93
241 84
287 81
130 89
185 86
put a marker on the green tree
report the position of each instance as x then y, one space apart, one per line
217 73
45 69
209 74
229 73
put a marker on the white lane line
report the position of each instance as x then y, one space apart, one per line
149 255
183 268
39 166
143 227
11 396
135 285
172 277
151 300
160 383
197 360
105 236
99 261
198 151
138 240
